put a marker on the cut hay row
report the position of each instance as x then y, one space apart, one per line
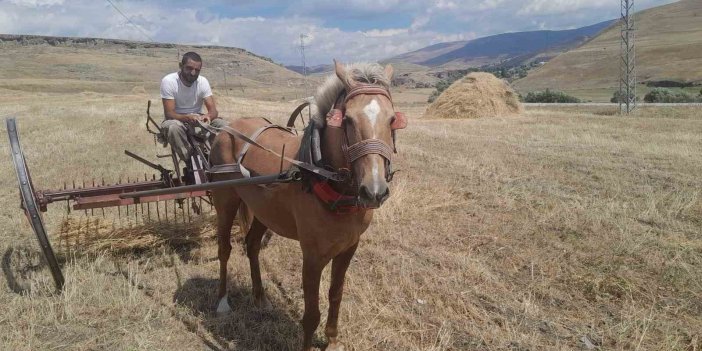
91 235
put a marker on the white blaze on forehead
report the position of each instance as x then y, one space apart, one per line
372 110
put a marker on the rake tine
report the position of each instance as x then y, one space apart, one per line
175 212
119 212
165 209
148 211
74 184
189 207
64 186
103 212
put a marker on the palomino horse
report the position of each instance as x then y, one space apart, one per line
356 136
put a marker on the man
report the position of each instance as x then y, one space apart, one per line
183 94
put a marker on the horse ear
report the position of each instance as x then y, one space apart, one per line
389 71
342 73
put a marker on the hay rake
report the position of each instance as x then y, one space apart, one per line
135 197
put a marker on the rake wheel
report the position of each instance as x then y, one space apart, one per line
298 113
29 203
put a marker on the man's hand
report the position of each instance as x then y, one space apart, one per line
190 119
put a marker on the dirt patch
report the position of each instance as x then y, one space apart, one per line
477 95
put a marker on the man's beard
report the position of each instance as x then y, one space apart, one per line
190 79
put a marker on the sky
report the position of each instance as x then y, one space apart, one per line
348 30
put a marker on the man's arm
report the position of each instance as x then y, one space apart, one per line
169 112
212 112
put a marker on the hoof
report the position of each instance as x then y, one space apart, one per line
223 306
335 347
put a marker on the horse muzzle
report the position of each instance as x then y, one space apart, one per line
373 195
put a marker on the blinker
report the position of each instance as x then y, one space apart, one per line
334 118
400 121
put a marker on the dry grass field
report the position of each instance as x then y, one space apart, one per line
556 230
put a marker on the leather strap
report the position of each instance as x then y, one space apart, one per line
245 172
226 168
306 166
366 89
369 146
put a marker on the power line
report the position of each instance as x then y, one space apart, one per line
130 21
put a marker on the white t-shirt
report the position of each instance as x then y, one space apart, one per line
188 99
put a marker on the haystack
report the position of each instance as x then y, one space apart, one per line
476 95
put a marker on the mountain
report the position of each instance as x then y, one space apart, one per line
668 48
313 69
516 48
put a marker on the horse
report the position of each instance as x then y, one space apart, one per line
355 137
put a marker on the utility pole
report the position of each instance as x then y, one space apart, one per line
302 51
627 63
304 63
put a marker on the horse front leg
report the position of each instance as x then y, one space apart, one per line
311 274
336 290
226 203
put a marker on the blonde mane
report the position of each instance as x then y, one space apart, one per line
328 92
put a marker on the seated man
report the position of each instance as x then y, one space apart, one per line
183 94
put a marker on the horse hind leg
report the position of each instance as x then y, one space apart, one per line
226 203
253 248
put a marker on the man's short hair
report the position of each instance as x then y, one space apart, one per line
190 56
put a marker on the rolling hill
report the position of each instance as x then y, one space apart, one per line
668 48
40 64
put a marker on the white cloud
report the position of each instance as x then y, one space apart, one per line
277 36
379 33
36 3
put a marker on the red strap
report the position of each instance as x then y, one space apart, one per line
331 198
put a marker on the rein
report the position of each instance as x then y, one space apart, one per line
304 165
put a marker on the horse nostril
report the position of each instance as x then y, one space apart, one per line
365 192
382 196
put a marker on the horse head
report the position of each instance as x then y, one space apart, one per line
366 119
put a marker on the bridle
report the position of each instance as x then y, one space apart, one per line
372 146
